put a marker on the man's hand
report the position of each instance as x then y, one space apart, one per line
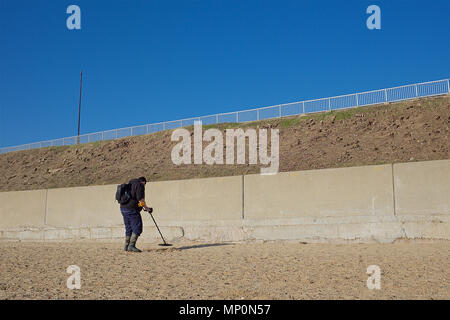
143 205
149 210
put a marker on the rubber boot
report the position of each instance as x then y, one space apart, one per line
127 242
132 245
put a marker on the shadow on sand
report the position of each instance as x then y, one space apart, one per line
204 246
196 246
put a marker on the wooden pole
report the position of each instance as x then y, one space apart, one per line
79 108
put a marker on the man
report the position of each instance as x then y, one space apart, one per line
131 212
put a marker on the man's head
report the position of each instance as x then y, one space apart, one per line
142 180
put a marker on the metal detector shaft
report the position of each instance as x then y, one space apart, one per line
157 227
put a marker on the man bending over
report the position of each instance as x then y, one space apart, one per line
131 212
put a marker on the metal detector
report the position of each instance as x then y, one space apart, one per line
165 244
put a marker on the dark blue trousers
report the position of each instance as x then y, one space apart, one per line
132 220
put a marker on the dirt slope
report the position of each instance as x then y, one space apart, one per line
407 131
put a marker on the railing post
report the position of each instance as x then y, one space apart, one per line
448 85
257 114
385 95
117 133
357 102
103 135
237 117
303 107
164 126
329 104
217 119
279 111
132 131
147 128
417 94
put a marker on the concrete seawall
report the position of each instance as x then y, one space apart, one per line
359 204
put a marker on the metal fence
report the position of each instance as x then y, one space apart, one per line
411 91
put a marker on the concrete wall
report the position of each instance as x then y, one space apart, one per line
209 199
328 204
372 203
422 198
22 209
358 191
422 188
83 207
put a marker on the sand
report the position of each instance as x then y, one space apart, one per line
274 270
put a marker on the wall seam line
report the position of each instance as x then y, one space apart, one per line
46 207
393 198
243 197
393 189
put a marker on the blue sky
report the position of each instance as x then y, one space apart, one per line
151 61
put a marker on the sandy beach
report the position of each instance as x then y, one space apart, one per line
273 270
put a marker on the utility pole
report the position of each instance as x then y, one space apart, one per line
79 108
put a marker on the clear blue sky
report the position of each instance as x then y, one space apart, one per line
150 61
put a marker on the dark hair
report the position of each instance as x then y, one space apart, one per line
142 179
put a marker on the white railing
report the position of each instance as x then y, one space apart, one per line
411 91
